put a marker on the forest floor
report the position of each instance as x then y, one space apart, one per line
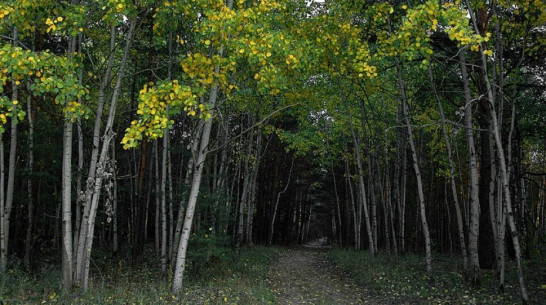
403 280
313 274
306 276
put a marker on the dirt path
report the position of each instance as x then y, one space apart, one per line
305 276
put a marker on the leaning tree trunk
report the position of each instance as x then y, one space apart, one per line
95 182
196 183
85 197
422 207
503 168
272 226
189 173
362 192
192 200
451 174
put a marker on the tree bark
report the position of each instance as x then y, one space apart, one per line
460 227
30 197
416 168
473 230
192 200
67 251
362 192
272 226
95 181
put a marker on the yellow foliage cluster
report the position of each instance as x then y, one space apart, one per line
46 74
199 67
155 104
5 11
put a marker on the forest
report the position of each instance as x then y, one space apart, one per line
166 142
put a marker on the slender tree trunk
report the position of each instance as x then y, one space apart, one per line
170 202
88 223
3 237
272 226
460 227
244 195
338 209
30 197
253 187
362 191
474 187
192 200
504 179
187 180
349 189
157 231
67 254
372 187
402 196
164 202
8 203
115 237
83 224
416 168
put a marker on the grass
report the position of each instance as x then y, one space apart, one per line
403 280
215 275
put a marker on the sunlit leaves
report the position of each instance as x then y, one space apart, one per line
156 103
48 75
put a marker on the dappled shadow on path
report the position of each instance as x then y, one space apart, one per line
305 276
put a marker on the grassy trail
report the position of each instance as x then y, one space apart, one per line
305 276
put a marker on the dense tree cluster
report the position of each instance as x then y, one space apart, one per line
397 126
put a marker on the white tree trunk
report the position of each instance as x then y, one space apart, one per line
192 200
67 251
94 182
413 150
8 203
473 230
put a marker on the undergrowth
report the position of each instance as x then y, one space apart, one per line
403 280
215 274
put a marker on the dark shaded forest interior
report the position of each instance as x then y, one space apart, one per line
179 137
